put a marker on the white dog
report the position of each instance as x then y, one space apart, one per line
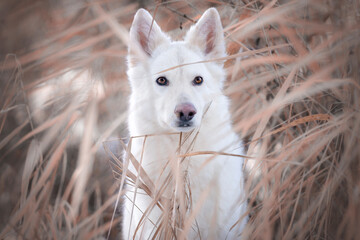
185 187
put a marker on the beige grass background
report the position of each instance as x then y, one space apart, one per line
293 78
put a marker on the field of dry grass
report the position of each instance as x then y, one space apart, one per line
293 78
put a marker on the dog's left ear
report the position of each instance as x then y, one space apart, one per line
145 33
207 34
145 37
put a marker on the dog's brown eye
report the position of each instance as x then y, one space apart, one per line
162 81
198 80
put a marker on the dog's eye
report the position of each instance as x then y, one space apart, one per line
198 80
162 81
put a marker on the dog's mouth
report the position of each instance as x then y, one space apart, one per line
184 126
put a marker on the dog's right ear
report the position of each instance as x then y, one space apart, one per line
207 35
145 34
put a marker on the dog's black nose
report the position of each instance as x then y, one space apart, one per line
185 112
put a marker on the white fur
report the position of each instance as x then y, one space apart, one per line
151 111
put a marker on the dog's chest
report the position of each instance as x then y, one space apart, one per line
165 154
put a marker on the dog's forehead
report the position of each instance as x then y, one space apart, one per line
176 57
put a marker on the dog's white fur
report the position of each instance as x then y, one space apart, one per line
218 180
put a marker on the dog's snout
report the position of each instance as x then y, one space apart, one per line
185 112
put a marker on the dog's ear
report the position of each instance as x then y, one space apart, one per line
207 34
145 34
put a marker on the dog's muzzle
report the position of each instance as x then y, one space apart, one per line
185 112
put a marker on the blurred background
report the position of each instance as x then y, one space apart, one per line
293 78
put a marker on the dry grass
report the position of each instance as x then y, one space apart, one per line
294 85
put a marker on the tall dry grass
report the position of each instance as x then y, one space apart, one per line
293 78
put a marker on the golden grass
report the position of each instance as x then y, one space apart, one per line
293 78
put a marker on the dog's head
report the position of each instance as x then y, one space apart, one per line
177 81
